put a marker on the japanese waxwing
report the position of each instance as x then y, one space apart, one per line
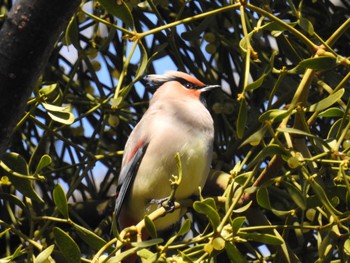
176 121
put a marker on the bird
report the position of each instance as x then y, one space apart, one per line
176 122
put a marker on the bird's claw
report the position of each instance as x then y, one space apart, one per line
165 202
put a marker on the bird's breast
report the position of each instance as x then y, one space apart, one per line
160 164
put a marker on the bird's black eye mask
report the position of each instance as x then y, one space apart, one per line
186 83
157 83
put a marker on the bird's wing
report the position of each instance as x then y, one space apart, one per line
127 175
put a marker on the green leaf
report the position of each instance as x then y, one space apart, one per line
243 208
242 119
276 26
296 194
234 254
59 114
17 253
321 194
318 63
150 227
66 118
122 255
60 200
140 70
71 35
347 247
67 245
274 115
121 11
256 84
263 238
327 102
185 227
44 255
45 160
331 112
94 241
207 208
237 223
243 43
263 199
326 246
295 131
147 255
256 137
195 33
262 196
270 150
17 164
147 243
4 232
306 25
52 93
13 200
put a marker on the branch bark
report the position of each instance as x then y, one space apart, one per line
27 38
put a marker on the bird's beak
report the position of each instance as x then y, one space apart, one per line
209 87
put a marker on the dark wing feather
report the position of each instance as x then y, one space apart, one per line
128 174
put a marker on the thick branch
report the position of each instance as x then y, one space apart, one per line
27 38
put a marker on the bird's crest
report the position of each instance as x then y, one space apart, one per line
157 80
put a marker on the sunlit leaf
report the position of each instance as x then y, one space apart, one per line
147 243
148 255
66 118
318 63
207 208
44 255
274 115
331 112
327 102
51 93
150 227
295 131
59 114
347 247
243 208
45 160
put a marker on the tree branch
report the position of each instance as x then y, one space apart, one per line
27 38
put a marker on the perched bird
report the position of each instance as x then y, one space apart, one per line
176 121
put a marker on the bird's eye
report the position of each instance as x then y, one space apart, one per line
189 85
